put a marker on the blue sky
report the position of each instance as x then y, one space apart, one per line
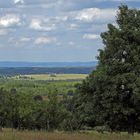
55 30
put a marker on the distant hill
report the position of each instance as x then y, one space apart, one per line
44 70
19 68
48 64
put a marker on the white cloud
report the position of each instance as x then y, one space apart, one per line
73 26
61 18
25 39
37 24
10 20
44 40
95 14
91 36
19 1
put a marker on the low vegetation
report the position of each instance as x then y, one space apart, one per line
36 135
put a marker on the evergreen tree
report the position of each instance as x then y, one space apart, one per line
110 96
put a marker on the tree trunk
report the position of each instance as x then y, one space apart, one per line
0 128
48 124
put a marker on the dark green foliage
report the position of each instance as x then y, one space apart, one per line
22 111
38 98
110 96
29 104
72 121
70 93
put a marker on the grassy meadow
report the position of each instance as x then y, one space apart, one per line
36 135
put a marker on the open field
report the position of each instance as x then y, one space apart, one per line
53 76
26 135
41 84
36 87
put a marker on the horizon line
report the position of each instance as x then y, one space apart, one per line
49 61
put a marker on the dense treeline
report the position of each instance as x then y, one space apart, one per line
42 70
22 111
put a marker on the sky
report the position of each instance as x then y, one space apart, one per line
55 30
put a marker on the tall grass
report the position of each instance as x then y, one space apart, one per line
34 135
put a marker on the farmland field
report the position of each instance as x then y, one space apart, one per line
53 76
35 135
41 84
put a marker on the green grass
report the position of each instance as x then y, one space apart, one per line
35 135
